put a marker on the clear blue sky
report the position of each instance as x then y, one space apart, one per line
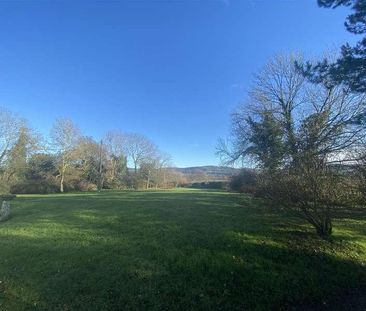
172 70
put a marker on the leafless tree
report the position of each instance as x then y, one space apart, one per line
65 136
10 126
279 88
318 127
163 162
115 144
139 149
92 158
174 178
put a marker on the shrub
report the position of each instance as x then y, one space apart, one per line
35 186
6 197
246 181
207 185
82 186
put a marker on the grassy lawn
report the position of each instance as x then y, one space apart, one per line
174 250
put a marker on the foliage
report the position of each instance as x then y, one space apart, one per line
208 185
39 175
65 136
34 186
350 68
266 141
7 197
295 131
246 181
74 162
24 147
10 126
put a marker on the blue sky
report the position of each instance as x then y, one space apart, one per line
172 70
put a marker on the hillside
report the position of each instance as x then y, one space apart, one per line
210 172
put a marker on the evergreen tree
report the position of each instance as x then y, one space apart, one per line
266 141
350 67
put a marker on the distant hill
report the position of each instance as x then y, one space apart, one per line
211 172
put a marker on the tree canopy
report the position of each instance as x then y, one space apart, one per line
350 67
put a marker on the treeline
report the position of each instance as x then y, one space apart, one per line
68 160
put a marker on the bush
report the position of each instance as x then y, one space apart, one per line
207 185
314 192
7 197
246 181
34 186
81 186
4 188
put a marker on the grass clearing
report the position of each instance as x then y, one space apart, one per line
174 250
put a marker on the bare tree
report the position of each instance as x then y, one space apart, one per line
279 88
65 136
139 149
277 91
93 158
162 163
295 131
173 178
10 126
115 143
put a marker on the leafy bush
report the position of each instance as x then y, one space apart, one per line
35 186
7 197
208 185
4 188
82 186
246 181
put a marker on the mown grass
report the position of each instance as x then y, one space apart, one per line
174 250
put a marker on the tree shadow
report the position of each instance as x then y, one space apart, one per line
168 252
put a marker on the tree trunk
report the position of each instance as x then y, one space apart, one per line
62 183
113 171
148 180
324 229
63 169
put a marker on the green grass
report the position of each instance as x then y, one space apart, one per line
174 250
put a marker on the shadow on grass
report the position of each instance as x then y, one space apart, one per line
130 275
167 251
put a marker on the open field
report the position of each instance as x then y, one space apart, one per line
174 250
